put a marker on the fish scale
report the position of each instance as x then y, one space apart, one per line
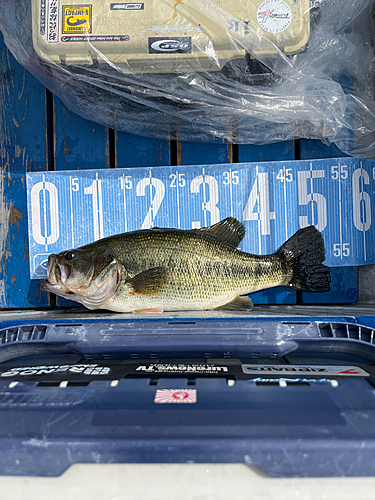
171 269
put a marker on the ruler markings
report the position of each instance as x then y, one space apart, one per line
231 192
45 213
259 213
178 202
71 210
312 195
204 199
363 215
263 193
285 205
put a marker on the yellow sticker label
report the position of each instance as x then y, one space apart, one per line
76 19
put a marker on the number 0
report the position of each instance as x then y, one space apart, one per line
37 213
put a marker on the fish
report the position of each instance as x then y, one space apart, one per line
163 269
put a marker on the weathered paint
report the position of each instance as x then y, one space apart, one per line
277 151
4 227
23 147
137 151
200 153
78 143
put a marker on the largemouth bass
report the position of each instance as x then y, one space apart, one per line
159 270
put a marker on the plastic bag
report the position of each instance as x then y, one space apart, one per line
196 71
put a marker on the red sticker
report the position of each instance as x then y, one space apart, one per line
352 371
176 396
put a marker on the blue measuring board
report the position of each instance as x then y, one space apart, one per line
274 199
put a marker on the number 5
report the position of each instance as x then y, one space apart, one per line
304 199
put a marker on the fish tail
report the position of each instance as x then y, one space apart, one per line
305 253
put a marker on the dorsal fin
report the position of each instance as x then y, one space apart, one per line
230 231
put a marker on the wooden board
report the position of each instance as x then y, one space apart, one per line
78 143
24 147
189 153
37 132
136 151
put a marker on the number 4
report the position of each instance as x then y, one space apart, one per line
260 193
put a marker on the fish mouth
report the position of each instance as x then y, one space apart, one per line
92 293
57 275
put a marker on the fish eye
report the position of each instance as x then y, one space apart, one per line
69 255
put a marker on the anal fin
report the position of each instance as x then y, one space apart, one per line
154 310
237 304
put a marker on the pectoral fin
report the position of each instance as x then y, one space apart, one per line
150 282
237 304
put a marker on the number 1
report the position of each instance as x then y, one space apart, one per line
97 206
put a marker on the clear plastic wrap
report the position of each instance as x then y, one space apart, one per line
198 71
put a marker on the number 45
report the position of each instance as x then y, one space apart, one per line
285 174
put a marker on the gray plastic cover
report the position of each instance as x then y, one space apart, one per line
225 77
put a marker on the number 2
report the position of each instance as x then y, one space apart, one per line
156 200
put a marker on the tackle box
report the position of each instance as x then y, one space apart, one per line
164 36
288 388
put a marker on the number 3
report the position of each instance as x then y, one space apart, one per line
209 205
